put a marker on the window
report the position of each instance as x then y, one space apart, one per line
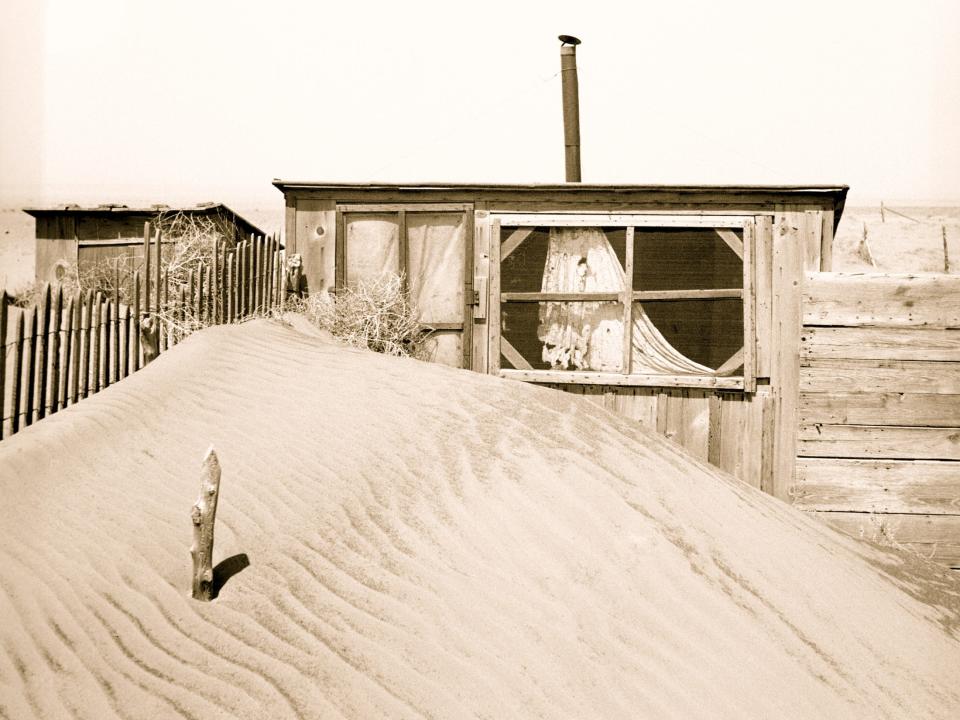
431 248
625 299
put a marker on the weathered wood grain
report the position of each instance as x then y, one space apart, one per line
891 408
874 441
763 274
905 376
882 300
875 343
936 537
882 486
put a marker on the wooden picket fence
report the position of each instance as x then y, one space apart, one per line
70 346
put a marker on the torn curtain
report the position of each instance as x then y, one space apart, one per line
589 335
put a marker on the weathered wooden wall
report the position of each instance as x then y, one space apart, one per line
878 450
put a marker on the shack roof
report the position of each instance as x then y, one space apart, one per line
115 209
573 191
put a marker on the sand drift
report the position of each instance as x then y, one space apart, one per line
409 541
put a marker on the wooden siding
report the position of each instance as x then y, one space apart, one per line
879 408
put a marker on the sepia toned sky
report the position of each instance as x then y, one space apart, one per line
128 100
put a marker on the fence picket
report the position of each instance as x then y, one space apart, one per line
54 364
31 367
135 349
107 325
41 357
116 327
95 342
16 390
228 270
67 355
146 269
76 339
87 333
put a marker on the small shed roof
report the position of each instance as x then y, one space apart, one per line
208 208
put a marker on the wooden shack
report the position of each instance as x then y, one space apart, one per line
706 313
72 235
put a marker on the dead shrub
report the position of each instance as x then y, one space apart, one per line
375 314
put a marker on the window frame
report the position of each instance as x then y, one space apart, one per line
744 248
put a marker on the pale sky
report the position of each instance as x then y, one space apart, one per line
131 101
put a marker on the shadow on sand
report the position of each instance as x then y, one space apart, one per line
226 569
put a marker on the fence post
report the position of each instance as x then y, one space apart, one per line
135 365
86 333
116 325
203 516
106 324
228 271
67 356
146 268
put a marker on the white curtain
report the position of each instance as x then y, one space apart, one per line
589 335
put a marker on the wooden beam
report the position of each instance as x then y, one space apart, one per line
563 377
468 290
882 300
749 299
513 242
408 207
731 239
637 296
892 408
607 219
513 355
493 312
873 343
560 297
878 486
732 363
889 376
627 301
878 441
936 537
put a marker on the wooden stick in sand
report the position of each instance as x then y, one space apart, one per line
203 515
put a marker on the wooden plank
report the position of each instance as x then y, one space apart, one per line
878 441
894 408
749 300
732 427
876 343
883 486
493 312
763 290
126 368
638 295
639 404
228 289
53 402
17 375
880 376
407 207
785 365
290 224
596 378
575 218
257 284
67 361
42 358
513 242
116 330
812 240
826 241
732 240
341 250
767 438
935 537
481 272
146 267
158 237
882 300
627 364
694 433
715 430
4 305
558 296
217 279
468 290
513 355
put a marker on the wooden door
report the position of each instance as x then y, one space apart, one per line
431 248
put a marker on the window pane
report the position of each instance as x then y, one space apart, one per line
685 259
435 247
577 336
708 332
574 259
373 249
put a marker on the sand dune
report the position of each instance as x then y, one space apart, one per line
429 543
